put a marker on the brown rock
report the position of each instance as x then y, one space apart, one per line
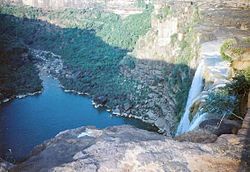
125 148
197 136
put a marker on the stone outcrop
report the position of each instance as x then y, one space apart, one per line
156 55
219 21
197 136
202 27
219 127
169 21
239 52
125 148
4 166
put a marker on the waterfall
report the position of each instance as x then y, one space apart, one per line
194 91
197 120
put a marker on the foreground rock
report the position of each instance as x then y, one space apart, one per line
125 148
4 166
225 127
197 136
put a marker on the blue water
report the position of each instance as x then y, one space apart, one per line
27 122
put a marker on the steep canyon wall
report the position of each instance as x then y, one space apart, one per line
120 7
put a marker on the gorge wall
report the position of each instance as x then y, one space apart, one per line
183 36
123 8
164 61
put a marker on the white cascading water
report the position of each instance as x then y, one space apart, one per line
194 91
197 120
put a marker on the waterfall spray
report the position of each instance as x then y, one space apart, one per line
194 91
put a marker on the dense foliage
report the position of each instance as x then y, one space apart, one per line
227 100
219 103
92 43
110 27
227 45
17 72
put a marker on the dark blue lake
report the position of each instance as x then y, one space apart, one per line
27 122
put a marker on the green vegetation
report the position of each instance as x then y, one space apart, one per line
128 61
141 4
226 45
246 73
91 43
219 103
18 75
236 49
109 27
239 85
21 11
227 101
231 45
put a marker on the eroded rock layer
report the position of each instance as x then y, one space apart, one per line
125 148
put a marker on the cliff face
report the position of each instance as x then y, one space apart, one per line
170 23
164 62
220 22
121 7
160 58
55 4
183 36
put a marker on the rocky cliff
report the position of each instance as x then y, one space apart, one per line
219 22
186 35
126 148
164 62
120 7
183 35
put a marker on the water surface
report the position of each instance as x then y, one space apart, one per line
27 122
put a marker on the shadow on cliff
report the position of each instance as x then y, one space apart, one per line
91 65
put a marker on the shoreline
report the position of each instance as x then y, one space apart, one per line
108 109
20 96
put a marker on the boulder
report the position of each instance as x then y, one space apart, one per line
160 122
126 148
101 100
197 136
127 106
151 115
226 126
116 111
5 166
239 53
